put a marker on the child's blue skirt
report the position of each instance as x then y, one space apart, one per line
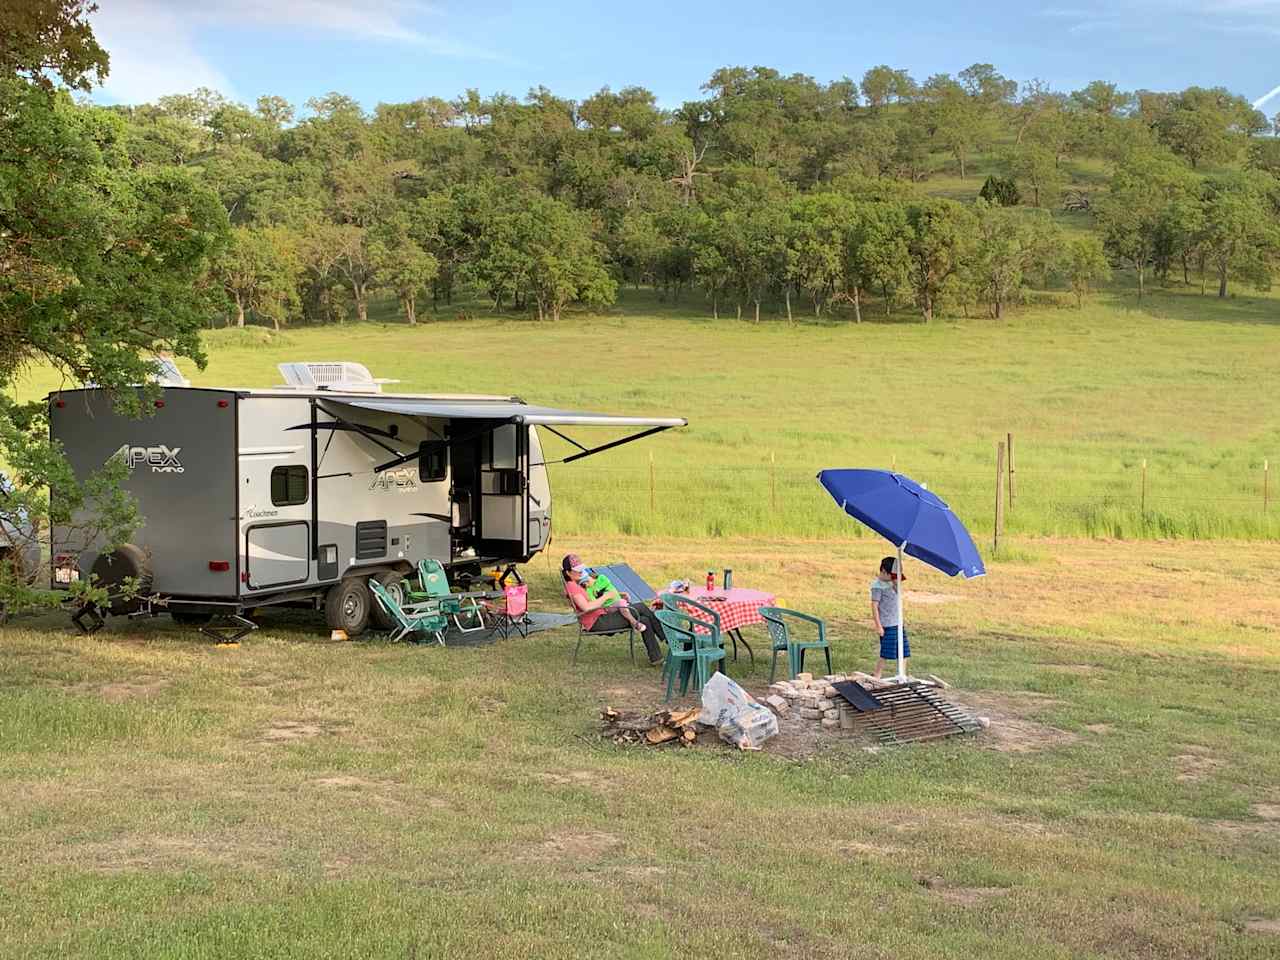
889 644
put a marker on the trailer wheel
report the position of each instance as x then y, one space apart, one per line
346 606
127 563
393 582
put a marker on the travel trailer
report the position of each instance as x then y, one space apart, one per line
298 494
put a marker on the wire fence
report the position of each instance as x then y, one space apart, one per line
1131 501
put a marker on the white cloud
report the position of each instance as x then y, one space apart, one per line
152 52
153 42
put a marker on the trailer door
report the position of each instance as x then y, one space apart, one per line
504 502
275 500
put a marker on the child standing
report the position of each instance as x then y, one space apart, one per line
884 613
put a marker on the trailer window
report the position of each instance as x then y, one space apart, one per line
289 486
433 461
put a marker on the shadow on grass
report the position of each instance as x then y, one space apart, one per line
1187 303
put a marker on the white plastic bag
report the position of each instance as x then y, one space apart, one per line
739 719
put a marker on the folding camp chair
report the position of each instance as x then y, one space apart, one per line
424 618
434 585
628 630
512 611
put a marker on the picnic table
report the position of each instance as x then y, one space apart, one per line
738 607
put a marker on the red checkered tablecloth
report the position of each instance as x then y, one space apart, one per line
738 607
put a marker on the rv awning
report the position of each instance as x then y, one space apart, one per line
507 410
510 411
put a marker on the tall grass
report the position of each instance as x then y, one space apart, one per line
1184 382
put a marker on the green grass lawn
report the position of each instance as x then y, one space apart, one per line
299 798
1184 382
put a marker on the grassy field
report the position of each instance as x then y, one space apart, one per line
299 798
1185 383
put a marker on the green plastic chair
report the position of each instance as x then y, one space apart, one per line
775 619
688 643
424 618
434 585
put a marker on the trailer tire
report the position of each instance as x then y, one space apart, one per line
110 571
393 582
346 606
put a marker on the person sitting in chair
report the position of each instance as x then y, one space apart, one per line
594 616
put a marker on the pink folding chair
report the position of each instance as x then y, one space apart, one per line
512 611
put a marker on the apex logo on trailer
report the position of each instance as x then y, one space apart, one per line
160 459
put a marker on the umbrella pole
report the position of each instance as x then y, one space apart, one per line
902 661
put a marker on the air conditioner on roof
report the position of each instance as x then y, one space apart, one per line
342 377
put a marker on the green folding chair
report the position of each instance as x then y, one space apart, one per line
775 619
434 585
425 618
690 650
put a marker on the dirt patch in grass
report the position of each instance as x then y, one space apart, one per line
575 778
1011 730
290 731
150 853
1266 811
119 691
1099 728
1270 927
578 845
1195 765
961 896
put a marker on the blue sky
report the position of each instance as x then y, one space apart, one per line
392 50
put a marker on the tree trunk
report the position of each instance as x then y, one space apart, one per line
790 319
857 304
960 157
1141 289
927 307
739 311
362 302
757 303
275 322
715 307
1186 272
239 311
410 305
1222 281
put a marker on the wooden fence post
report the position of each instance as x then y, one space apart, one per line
773 481
1144 490
653 496
1012 488
999 496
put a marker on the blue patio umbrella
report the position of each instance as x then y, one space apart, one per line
913 519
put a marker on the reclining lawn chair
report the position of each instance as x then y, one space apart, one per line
425 618
434 585
628 630
780 635
628 581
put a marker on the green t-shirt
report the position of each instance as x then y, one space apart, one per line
599 586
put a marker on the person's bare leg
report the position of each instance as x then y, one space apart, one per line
879 667
631 619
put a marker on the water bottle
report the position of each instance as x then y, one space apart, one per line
728 578
711 580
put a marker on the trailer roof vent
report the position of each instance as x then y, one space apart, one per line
341 376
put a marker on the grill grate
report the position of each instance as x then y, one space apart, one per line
911 711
